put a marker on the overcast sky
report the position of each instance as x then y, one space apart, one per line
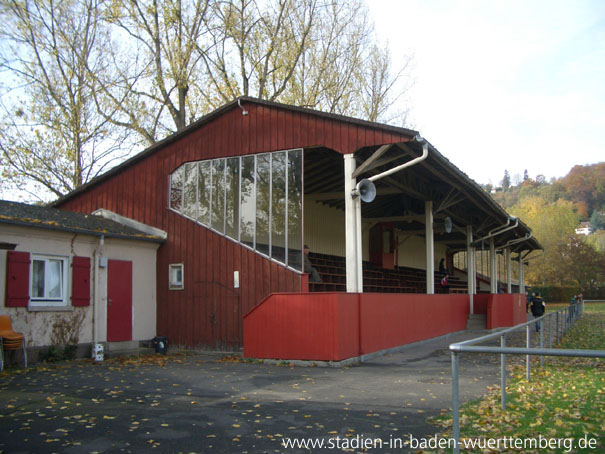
508 84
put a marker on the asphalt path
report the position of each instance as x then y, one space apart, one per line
203 403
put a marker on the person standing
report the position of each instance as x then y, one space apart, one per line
442 270
538 307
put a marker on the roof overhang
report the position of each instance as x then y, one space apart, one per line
401 197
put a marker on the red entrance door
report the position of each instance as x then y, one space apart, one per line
119 301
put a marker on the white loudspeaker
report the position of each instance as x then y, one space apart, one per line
367 190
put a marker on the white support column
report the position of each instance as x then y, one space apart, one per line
521 276
470 266
359 244
351 226
430 248
509 271
493 272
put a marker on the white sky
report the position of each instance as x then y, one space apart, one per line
503 84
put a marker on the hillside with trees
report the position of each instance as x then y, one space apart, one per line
554 210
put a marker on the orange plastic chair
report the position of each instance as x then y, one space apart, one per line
10 340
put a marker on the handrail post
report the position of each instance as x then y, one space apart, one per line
455 403
527 345
550 330
542 342
503 372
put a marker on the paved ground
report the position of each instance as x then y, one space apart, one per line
199 403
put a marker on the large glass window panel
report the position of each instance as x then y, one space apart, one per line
278 207
176 189
263 202
204 190
218 195
248 201
295 211
190 188
232 198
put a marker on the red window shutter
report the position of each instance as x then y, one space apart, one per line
17 279
80 291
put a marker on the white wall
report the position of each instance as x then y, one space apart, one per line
324 229
325 234
38 325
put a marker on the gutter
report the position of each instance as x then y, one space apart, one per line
386 173
499 230
516 241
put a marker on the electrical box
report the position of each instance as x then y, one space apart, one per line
102 262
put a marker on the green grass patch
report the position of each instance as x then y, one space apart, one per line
563 400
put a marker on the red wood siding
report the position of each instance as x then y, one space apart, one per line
506 310
337 326
480 301
321 326
80 291
17 279
208 312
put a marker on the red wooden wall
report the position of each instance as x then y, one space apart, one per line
504 310
480 301
337 326
209 311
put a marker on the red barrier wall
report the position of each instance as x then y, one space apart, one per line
391 320
328 326
480 301
505 310
319 326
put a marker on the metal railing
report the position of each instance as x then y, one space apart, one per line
559 323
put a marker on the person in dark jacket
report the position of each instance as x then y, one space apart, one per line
538 307
442 270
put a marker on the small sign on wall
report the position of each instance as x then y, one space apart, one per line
236 279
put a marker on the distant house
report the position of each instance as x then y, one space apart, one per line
584 229
69 277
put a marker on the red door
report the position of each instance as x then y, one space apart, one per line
119 301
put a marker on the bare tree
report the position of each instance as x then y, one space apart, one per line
165 36
51 138
254 51
94 76
314 53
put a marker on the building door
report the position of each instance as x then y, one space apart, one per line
119 301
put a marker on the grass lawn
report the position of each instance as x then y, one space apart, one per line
564 400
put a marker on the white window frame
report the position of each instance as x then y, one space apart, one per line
173 281
46 301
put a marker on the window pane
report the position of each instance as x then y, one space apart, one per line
295 200
176 189
218 195
190 196
278 202
38 279
232 199
248 202
263 202
204 188
54 278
